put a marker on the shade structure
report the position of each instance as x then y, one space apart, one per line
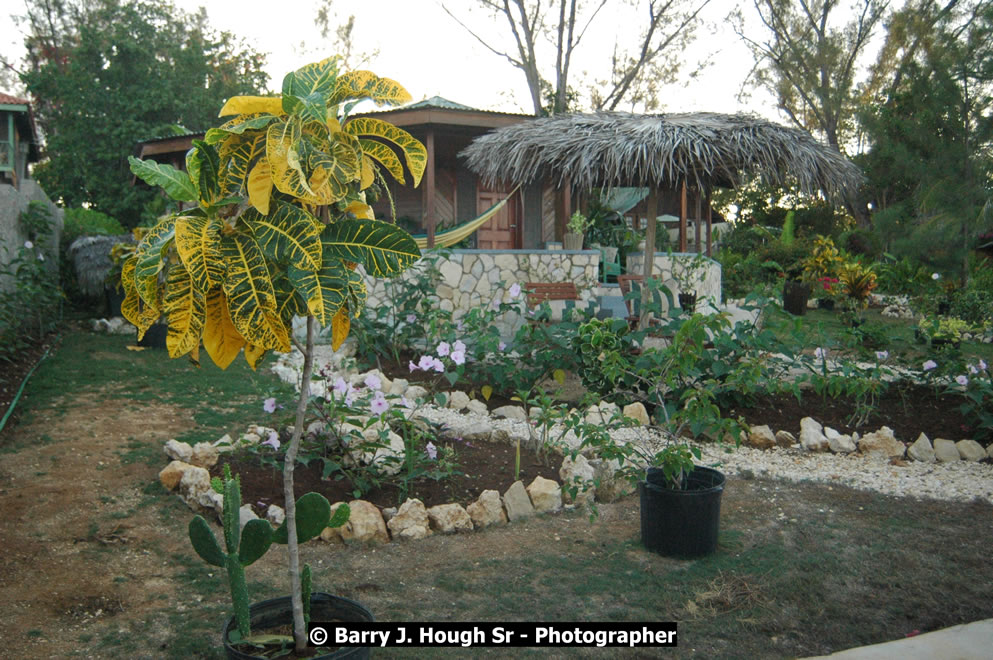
702 149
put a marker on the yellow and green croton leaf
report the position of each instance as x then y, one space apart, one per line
238 153
324 290
251 299
253 354
356 85
384 249
340 325
198 242
288 235
288 302
184 306
414 153
175 183
283 153
247 105
319 77
260 186
220 338
150 258
203 165
139 314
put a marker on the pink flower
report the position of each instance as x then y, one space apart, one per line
269 405
407 403
502 346
28 244
411 318
431 451
413 367
373 382
515 290
272 440
820 353
458 346
982 365
438 365
458 357
459 325
882 355
444 349
929 365
973 370
962 380
426 362
340 386
379 405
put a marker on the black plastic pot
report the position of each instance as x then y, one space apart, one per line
277 612
687 302
681 523
825 303
795 296
155 336
113 298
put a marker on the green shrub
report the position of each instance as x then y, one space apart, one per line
82 222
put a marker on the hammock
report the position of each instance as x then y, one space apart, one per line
458 233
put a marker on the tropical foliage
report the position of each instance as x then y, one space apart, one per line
281 219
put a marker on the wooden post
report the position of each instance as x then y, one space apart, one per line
682 218
653 211
563 208
429 211
710 222
697 219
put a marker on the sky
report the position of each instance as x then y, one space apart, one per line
424 49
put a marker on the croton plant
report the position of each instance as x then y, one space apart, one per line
279 219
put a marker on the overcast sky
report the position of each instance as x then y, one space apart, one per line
430 54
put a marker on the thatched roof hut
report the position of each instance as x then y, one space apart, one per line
703 149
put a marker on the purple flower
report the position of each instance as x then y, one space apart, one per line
935 276
269 405
431 450
340 386
438 365
882 355
379 405
426 362
515 290
502 346
413 367
929 365
458 346
350 395
982 365
962 380
459 325
820 353
458 357
28 244
373 382
444 349
272 440
973 370
411 318
407 403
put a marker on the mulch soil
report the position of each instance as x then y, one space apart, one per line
12 373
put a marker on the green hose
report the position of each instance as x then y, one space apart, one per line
10 410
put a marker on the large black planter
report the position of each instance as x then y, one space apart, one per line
155 336
277 612
825 303
795 296
113 298
681 523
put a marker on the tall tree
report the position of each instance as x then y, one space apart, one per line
105 74
930 131
808 56
637 67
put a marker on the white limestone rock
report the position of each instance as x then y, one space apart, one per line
881 444
970 450
275 515
545 494
785 439
172 474
411 521
204 455
510 412
761 437
610 485
837 442
415 392
812 437
922 450
577 473
245 514
517 503
458 400
478 408
946 451
487 510
637 412
365 523
178 451
449 519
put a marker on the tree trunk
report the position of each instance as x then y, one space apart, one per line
296 591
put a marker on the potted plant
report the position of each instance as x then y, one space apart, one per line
680 383
825 292
282 220
575 230
687 274
856 283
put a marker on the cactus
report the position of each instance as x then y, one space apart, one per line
244 549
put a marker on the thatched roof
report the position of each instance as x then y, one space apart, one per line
616 149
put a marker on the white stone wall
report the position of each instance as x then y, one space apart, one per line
708 286
471 278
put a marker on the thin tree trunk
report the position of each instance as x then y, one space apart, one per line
296 591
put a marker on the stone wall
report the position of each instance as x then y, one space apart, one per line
13 202
471 278
708 286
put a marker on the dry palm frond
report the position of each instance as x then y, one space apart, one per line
703 149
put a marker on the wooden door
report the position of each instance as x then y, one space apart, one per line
502 231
